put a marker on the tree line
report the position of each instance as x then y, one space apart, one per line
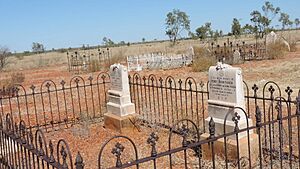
260 24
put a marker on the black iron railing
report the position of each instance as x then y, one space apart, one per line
55 105
180 105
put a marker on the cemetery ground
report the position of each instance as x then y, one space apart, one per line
284 71
88 136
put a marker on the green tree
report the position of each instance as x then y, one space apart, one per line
122 43
297 22
193 35
176 22
211 33
203 31
221 33
107 42
263 21
260 22
216 35
236 29
285 20
143 39
248 29
37 47
270 11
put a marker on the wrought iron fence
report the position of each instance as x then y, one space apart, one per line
20 148
79 62
214 151
247 51
163 101
55 105
159 101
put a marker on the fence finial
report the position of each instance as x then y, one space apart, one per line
79 161
236 119
117 151
184 131
153 138
289 91
255 88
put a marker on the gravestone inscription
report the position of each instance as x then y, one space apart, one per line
119 94
226 93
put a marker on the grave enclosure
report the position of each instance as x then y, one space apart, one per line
183 105
83 61
160 60
228 52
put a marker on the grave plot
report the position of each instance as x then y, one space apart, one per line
174 109
81 62
228 52
159 61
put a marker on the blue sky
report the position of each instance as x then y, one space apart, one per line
71 23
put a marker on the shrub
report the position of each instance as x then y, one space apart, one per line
62 50
17 78
293 46
203 59
6 85
276 50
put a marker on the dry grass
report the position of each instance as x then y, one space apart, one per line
293 46
94 66
28 60
276 50
8 83
203 60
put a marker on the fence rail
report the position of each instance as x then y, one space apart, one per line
55 105
20 148
247 52
180 105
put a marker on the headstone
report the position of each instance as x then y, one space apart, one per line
119 95
236 57
120 111
226 92
271 38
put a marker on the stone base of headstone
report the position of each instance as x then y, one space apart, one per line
120 124
231 144
119 103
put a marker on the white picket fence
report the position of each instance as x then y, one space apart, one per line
159 61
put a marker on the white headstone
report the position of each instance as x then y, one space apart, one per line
225 93
119 94
271 37
236 57
119 78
